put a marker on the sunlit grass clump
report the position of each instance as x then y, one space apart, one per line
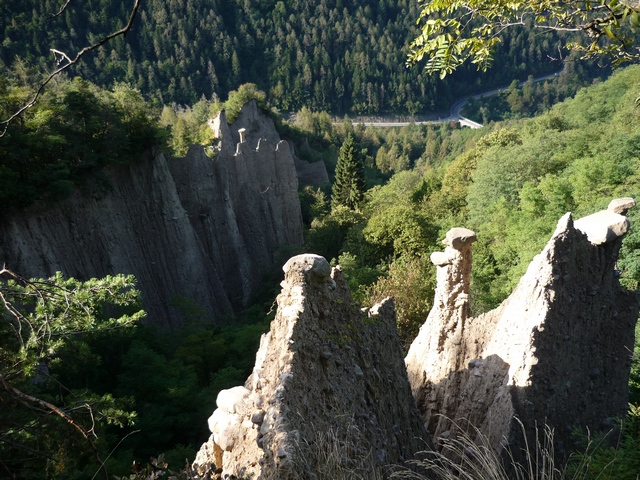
469 456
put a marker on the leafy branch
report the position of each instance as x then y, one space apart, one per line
456 31
40 318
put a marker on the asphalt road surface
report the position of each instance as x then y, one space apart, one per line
454 112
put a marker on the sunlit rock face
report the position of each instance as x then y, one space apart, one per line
327 376
198 232
557 351
253 125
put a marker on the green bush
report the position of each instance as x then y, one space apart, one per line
73 130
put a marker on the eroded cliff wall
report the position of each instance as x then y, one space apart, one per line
195 231
255 125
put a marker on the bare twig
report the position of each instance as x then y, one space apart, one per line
114 449
61 11
17 327
30 402
62 57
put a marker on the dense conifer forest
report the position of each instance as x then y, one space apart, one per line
342 56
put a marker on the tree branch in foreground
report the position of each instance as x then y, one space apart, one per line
30 401
447 40
61 11
44 316
63 62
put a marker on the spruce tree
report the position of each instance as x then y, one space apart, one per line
349 185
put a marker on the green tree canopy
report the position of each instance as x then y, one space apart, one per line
74 129
238 98
49 429
348 188
454 31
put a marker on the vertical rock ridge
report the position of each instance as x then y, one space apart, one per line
258 127
439 343
195 231
326 373
556 351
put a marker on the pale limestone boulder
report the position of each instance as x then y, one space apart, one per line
440 259
621 205
231 399
225 427
458 238
603 226
314 267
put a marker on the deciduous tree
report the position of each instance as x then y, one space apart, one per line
454 31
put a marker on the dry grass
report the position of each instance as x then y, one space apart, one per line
335 455
471 457
338 454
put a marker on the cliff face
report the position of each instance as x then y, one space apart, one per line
329 380
195 231
556 352
255 126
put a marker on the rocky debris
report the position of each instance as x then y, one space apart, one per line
327 375
256 126
557 351
195 231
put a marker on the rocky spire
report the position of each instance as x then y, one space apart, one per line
328 377
557 351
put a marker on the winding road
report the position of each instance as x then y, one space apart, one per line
454 111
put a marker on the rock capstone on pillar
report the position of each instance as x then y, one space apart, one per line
621 205
607 225
439 342
557 351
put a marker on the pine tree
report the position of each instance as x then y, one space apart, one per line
45 325
348 188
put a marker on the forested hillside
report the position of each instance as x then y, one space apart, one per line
343 56
509 181
73 131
